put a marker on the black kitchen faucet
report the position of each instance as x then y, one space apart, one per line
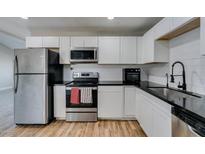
183 86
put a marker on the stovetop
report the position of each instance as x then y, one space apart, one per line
82 84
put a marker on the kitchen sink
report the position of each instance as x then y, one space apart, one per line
169 91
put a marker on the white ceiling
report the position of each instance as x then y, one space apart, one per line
85 25
90 25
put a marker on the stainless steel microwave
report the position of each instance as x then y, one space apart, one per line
83 54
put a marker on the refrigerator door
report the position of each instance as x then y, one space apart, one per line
31 100
31 60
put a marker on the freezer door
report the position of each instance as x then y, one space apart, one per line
31 100
31 60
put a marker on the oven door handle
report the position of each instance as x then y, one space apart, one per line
93 88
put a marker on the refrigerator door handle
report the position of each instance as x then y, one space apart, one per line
16 74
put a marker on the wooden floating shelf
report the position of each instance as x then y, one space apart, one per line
190 25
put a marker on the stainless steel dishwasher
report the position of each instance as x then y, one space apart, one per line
184 125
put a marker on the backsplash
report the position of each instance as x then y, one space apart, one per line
107 72
185 48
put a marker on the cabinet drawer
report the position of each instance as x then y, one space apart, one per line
110 88
81 116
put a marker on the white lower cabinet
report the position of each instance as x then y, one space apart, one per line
110 102
153 114
162 123
59 102
129 101
146 116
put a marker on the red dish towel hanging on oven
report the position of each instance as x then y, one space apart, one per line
75 96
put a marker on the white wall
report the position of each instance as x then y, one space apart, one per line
6 67
185 48
107 72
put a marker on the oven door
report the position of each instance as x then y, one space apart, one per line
82 105
132 77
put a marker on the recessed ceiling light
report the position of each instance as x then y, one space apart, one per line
110 18
24 17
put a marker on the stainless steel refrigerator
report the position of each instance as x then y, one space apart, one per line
36 70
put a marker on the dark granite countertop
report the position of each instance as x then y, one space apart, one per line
111 83
192 105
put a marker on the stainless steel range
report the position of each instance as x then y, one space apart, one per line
85 107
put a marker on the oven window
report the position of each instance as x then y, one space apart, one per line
82 105
82 54
133 77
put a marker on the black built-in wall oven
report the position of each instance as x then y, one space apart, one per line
132 75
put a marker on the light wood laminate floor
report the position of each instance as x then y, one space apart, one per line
102 128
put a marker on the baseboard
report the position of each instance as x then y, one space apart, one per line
60 118
6 88
118 118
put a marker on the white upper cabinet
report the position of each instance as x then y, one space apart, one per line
163 27
128 50
154 51
64 50
109 50
202 36
139 50
90 41
42 42
148 44
178 21
34 42
51 42
118 50
77 41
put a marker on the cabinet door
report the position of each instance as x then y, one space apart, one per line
148 50
138 105
59 102
91 41
161 123
139 50
146 116
64 50
77 41
110 101
130 101
179 21
109 50
202 36
163 27
51 42
128 54
34 42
